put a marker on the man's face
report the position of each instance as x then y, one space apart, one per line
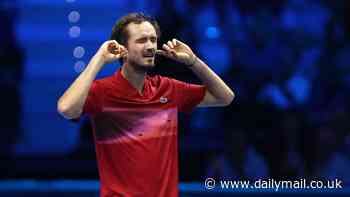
141 44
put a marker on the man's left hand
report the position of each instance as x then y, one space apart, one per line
178 51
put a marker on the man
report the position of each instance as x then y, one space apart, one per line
134 115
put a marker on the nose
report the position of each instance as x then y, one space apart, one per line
149 45
151 50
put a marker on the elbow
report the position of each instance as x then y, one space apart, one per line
229 99
66 111
63 109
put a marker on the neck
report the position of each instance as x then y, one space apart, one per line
136 77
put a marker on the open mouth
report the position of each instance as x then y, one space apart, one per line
149 54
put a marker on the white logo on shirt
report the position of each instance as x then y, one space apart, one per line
163 99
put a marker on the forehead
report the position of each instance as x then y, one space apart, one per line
140 30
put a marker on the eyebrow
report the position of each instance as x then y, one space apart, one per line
144 36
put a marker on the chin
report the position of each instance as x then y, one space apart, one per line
148 64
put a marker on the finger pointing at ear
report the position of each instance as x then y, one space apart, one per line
166 47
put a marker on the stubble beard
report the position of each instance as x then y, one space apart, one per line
141 67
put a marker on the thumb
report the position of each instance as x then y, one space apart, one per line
169 54
161 52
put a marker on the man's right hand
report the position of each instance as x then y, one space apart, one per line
111 51
71 103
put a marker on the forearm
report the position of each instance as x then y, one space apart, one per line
215 85
71 103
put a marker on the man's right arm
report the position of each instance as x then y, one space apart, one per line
71 103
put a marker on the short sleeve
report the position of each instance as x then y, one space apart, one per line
187 96
93 101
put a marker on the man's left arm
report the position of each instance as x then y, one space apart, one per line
217 92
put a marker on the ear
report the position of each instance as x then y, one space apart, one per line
125 57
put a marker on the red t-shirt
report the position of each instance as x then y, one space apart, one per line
136 135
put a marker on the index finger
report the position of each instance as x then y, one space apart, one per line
178 41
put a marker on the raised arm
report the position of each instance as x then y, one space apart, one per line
70 104
218 93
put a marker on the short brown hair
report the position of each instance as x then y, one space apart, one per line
119 32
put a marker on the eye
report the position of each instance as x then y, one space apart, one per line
153 39
142 40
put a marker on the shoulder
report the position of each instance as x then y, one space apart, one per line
103 81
